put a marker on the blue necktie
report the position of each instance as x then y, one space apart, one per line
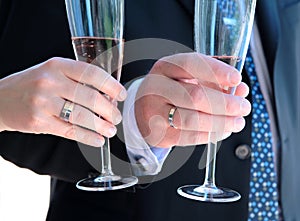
263 196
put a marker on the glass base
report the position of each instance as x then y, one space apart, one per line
104 183
208 194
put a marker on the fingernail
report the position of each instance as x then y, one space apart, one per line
115 103
239 123
123 94
245 106
112 131
99 142
117 119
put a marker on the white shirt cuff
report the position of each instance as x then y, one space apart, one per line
145 160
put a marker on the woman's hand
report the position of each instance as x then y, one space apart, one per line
32 101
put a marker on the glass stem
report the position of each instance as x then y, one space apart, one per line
105 159
210 163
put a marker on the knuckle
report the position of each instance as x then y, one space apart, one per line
91 73
36 102
106 80
52 62
158 65
85 138
218 69
92 96
163 65
185 65
229 108
196 95
70 132
43 81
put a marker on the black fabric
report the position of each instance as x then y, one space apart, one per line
267 20
37 30
5 7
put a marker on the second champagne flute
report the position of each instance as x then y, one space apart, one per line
222 30
97 35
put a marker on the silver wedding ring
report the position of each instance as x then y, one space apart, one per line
66 111
171 117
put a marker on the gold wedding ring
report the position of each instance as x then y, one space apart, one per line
66 111
171 117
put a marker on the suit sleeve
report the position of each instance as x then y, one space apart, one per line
46 154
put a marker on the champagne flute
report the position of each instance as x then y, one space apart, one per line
97 35
222 30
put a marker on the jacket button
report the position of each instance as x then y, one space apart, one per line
243 152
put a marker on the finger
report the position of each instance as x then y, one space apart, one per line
83 117
91 75
175 137
213 101
191 120
194 97
187 138
73 132
242 90
160 133
93 100
198 66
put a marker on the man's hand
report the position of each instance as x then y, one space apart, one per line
195 84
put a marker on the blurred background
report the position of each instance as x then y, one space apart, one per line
24 195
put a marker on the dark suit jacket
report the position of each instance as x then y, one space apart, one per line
287 96
36 30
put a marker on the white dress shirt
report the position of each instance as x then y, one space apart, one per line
145 160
